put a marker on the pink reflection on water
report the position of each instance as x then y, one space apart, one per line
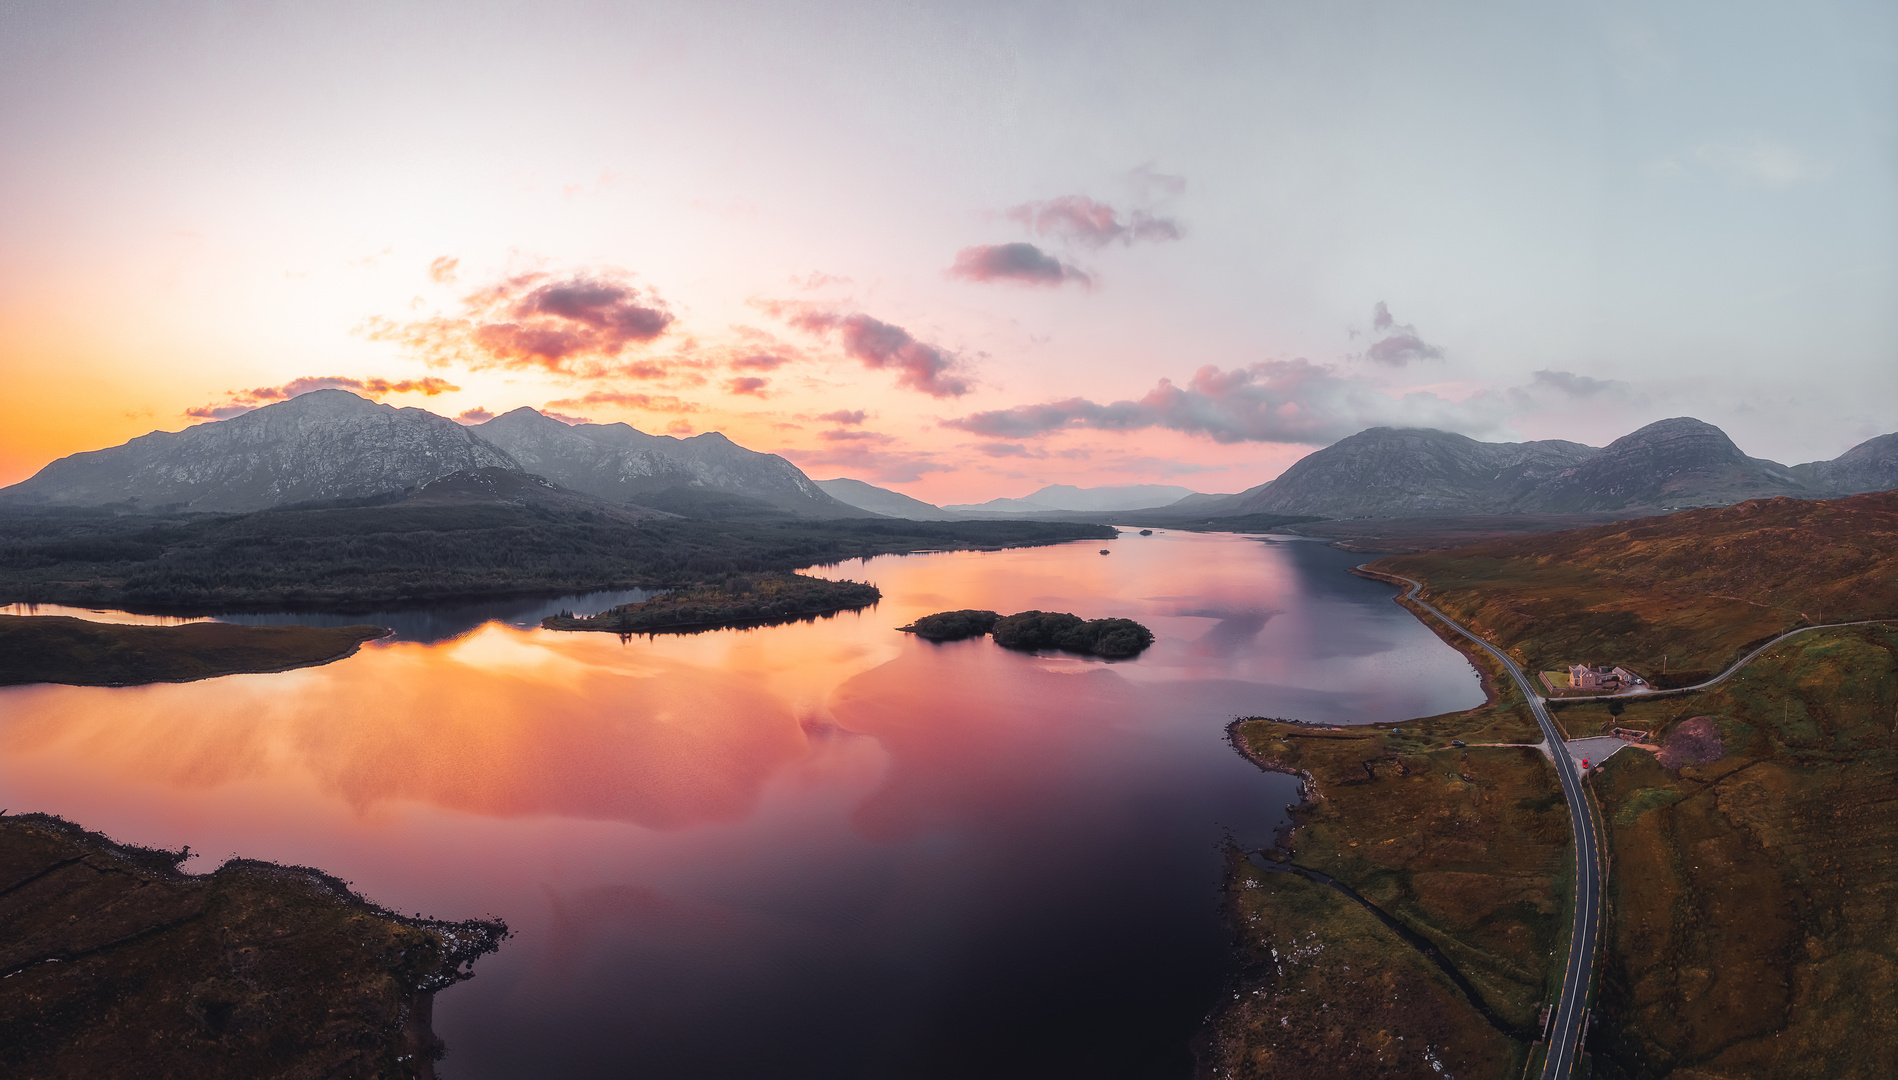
826 793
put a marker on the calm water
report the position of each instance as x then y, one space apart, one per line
825 849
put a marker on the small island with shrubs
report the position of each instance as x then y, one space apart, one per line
1030 631
738 600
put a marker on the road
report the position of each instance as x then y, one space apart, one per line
1571 1009
1715 681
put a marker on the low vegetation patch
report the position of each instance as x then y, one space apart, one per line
78 652
363 557
117 964
953 625
739 600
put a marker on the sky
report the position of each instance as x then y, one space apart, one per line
961 250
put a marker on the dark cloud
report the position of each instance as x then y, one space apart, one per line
1024 263
1579 386
1079 219
747 384
476 415
844 416
880 345
242 401
1397 343
1285 401
573 325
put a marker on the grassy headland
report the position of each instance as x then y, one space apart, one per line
361 557
1751 886
59 649
739 600
1465 846
119 965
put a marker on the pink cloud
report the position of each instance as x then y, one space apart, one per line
844 416
649 402
879 345
760 362
1022 263
476 415
563 417
1081 220
240 402
442 269
747 384
572 325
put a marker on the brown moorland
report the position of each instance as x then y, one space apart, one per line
1676 598
118 965
1465 846
1751 896
78 652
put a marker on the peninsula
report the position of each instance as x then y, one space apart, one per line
118 964
1745 865
79 652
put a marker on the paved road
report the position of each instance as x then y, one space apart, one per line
1565 1032
1717 679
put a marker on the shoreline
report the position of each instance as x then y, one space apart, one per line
112 953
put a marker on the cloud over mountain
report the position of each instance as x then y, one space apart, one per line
240 402
571 325
1397 343
1017 262
1578 386
1286 401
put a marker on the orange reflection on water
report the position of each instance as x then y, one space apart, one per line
500 722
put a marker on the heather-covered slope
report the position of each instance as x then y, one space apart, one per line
1675 597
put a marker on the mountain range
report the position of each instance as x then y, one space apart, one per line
331 445
1667 465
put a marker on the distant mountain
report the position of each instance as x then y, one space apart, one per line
881 500
324 445
1870 466
1669 464
1082 500
1407 472
620 463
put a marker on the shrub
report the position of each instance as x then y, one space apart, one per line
953 625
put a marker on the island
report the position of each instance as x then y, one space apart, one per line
117 963
79 652
1031 631
738 600
1742 796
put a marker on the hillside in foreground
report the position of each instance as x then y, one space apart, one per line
1673 598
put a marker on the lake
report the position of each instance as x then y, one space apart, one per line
824 849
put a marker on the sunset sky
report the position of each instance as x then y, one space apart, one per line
958 249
